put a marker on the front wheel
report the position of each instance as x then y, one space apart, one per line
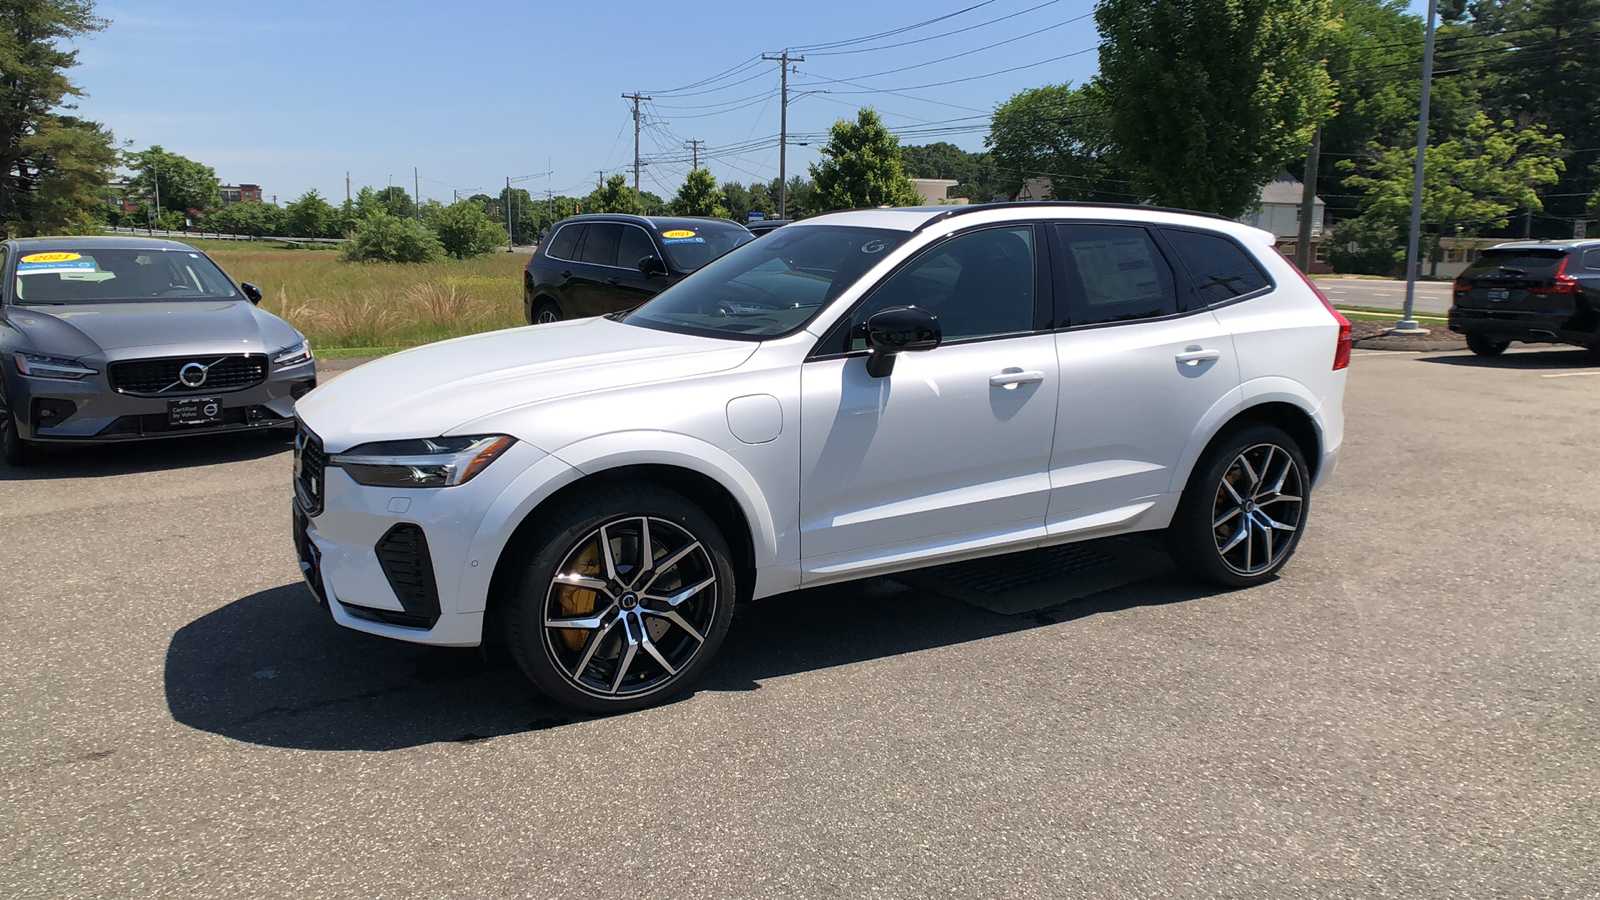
13 448
626 596
1483 345
1244 509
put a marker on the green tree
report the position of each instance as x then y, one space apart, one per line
615 196
185 185
396 202
52 165
310 216
381 237
253 217
1469 184
802 197
1206 100
698 196
1056 132
465 229
861 167
741 200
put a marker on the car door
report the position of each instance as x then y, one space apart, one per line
628 287
949 452
596 262
1140 368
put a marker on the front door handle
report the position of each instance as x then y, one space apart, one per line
1194 356
1011 378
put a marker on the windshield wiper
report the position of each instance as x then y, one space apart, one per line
1513 270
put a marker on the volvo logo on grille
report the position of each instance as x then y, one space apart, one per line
193 374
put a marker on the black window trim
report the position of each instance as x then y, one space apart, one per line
1043 313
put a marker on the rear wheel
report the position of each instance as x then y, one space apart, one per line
626 596
1244 509
544 312
1483 345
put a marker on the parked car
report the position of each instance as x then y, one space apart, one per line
122 338
855 395
1539 292
598 264
762 226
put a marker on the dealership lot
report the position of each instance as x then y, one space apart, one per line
1411 710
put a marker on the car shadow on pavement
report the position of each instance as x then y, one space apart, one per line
148 456
273 669
1575 358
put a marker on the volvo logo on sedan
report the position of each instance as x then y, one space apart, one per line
193 374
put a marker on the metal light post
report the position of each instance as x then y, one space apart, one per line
511 232
1408 325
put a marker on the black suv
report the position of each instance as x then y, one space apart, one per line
1545 292
597 264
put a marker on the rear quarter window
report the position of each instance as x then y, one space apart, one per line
1220 268
564 243
1591 259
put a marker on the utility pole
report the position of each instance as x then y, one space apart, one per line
1308 205
155 168
416 191
635 97
347 185
694 147
783 129
1406 323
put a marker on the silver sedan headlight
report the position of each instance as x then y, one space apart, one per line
35 366
293 356
424 463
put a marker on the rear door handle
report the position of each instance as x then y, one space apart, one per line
613 280
1194 356
1011 379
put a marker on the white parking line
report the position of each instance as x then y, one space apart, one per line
1568 374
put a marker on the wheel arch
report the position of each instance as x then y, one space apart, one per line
1282 412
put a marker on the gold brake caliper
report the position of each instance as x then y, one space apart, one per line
577 601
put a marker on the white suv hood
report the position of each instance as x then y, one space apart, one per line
432 390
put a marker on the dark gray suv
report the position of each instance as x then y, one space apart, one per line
597 264
121 338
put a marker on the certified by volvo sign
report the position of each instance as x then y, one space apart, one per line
193 374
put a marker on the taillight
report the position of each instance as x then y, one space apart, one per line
1564 283
1341 350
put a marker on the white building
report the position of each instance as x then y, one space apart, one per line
935 191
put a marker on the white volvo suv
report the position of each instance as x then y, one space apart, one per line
852 395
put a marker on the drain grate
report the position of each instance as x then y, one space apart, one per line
998 574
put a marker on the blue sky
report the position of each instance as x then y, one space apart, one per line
291 94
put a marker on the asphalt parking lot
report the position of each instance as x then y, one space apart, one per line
1412 710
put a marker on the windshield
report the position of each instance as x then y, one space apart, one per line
771 286
692 246
110 275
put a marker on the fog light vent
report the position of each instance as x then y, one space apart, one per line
403 556
48 412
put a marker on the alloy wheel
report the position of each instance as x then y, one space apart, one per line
630 606
1256 512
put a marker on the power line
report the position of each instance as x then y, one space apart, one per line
892 32
941 35
1013 40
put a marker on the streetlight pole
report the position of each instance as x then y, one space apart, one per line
511 233
1408 325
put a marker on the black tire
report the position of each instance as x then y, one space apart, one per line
1483 345
633 619
544 311
1202 537
1594 352
13 449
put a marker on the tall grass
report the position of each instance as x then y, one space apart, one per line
381 305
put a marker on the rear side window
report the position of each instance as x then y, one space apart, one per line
1531 263
1115 273
1591 259
1220 268
600 244
565 243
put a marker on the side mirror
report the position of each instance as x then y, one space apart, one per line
251 292
898 329
651 265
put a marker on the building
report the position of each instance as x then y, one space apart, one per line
238 193
1280 205
935 191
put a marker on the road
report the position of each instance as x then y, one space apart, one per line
1412 710
1432 297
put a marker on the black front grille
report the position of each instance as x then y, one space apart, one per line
309 462
165 376
403 556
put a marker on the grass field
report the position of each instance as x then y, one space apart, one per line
344 307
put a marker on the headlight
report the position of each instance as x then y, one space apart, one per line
51 367
293 356
431 462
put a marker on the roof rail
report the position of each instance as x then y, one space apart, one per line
1075 204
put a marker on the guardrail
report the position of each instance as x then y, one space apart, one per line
219 236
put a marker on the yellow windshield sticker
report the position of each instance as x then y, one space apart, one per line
50 257
680 233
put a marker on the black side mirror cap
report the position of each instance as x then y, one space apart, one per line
652 265
896 330
251 292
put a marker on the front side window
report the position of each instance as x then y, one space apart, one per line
1115 273
109 275
1220 269
1591 259
977 285
769 287
634 246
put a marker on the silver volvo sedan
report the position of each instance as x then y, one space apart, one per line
108 339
